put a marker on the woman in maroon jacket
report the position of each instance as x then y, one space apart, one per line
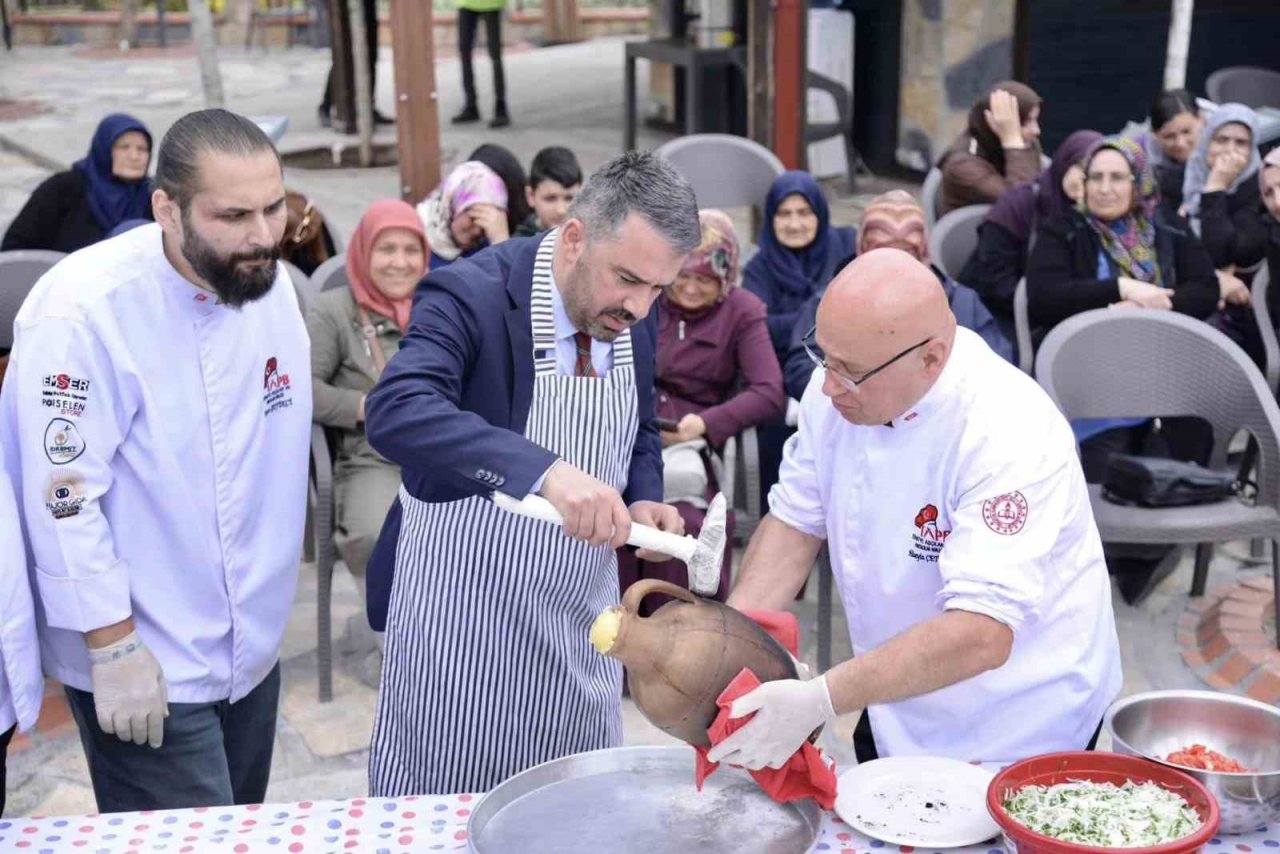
717 375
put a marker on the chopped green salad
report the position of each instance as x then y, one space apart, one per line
1103 814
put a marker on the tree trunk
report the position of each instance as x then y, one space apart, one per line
1175 60
360 80
417 114
129 22
206 52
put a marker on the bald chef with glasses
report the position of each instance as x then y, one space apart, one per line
948 488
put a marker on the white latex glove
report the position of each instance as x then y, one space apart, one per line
787 713
802 670
129 692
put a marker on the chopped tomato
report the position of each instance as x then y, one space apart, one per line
1202 758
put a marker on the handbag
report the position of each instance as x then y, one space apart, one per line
1159 482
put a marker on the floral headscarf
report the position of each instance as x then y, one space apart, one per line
717 256
1129 241
470 183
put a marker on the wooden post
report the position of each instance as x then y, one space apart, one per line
206 52
789 65
417 102
361 82
128 22
758 72
344 105
1175 61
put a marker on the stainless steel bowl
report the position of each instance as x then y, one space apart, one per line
1157 723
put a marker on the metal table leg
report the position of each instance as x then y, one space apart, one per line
824 610
629 105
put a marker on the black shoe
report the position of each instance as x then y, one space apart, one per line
322 115
467 116
380 119
500 120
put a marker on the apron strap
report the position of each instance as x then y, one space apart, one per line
371 341
541 316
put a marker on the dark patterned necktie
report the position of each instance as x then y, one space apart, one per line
583 366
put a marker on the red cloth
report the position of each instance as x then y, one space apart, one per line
806 774
381 215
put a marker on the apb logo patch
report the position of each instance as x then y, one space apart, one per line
62 442
1005 514
277 391
928 539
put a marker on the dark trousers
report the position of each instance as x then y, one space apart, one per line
5 738
864 740
467 22
214 754
371 38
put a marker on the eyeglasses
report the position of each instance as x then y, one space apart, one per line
1116 179
846 380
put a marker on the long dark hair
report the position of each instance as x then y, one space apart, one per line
508 167
1170 104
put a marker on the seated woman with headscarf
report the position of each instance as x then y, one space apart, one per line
466 213
79 207
999 148
1269 216
1176 126
1000 259
507 167
716 376
354 331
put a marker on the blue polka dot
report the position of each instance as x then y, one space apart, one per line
331 839
60 823
1215 841
1271 843
115 821
441 807
165 835
108 836
173 819
334 824
876 843
224 818
282 815
384 851
822 846
273 840
438 821
220 831
995 851
52 838
46 851
387 825
5 825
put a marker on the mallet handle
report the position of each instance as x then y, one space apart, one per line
642 536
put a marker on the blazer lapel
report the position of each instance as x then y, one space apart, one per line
519 287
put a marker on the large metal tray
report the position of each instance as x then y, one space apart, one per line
637 799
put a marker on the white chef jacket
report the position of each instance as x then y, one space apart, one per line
21 682
972 500
163 449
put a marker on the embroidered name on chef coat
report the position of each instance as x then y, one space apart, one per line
277 393
928 538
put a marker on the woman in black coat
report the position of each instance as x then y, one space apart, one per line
79 207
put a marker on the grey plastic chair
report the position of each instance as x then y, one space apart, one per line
1266 327
1244 84
954 238
929 196
330 274
841 127
1131 362
1022 329
725 170
20 269
318 541
740 482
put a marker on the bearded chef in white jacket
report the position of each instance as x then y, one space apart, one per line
948 489
159 395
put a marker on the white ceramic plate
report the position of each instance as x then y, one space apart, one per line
923 801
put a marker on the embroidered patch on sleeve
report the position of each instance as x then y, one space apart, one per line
1005 514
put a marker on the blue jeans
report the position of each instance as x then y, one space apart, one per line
214 754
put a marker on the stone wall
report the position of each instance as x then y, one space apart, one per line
952 51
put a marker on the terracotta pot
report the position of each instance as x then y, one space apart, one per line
681 658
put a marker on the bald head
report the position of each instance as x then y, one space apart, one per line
894 220
882 304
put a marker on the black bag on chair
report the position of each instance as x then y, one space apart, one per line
1158 482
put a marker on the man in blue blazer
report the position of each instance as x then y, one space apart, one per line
527 368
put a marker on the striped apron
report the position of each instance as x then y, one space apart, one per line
488 669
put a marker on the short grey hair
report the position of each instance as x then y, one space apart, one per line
645 184
217 131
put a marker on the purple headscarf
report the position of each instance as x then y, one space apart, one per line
1018 209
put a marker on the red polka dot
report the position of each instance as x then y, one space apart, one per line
196 825
1240 846
186 849
843 837
80 842
405 840
358 802
355 813
353 832
201 809
411 814
248 822
190 838
135 841
464 798
464 812
24 844
306 805
461 834
141 827
295 847
86 829
241 848
298 830
351 844
848 851
410 798
905 849
253 807
28 830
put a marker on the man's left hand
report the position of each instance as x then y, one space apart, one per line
786 714
664 517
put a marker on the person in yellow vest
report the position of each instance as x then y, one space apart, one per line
470 13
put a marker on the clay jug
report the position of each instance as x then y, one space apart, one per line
681 658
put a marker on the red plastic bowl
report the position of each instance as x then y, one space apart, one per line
1099 767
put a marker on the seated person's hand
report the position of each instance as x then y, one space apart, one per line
1231 290
1145 294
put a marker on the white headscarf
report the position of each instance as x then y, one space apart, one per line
1198 163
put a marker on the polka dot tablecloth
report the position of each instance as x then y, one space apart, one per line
374 826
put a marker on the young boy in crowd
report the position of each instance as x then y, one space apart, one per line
554 179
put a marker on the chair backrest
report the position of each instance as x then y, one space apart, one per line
1245 84
1266 327
954 237
725 170
302 287
1135 362
1022 329
20 269
929 195
331 274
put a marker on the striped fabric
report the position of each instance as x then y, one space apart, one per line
488 669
